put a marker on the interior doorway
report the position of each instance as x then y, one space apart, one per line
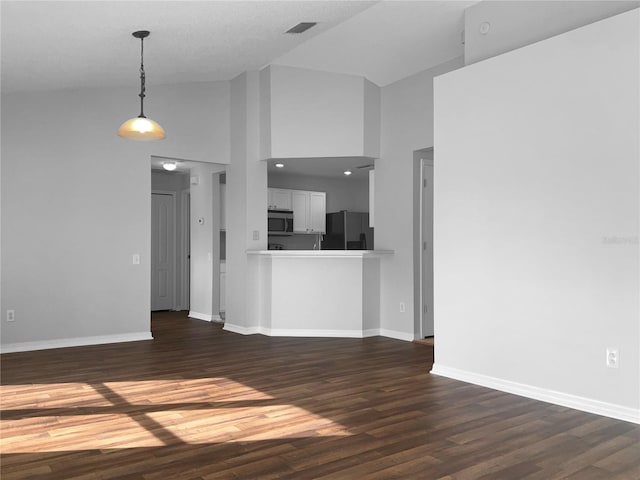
423 244
169 230
163 239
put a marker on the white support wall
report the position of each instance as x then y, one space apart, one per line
537 212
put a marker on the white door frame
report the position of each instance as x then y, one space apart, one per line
419 157
424 163
184 250
174 267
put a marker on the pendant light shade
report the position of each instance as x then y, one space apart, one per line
141 127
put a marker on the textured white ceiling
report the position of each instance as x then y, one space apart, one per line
387 42
52 45
79 44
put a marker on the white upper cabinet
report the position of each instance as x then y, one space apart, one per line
300 201
309 113
309 211
318 212
279 199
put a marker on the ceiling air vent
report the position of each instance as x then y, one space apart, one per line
301 27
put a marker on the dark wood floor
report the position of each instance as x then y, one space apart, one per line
201 403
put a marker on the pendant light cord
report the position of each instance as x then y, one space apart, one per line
142 78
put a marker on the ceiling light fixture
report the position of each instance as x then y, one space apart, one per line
141 127
347 172
170 166
279 165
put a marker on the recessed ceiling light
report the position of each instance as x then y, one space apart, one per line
171 166
279 165
301 27
347 172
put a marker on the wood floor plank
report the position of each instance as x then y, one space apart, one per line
201 403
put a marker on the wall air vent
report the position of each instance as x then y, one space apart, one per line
301 27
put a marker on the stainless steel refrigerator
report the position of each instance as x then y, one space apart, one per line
348 231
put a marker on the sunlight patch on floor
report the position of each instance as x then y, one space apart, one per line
185 390
51 395
115 415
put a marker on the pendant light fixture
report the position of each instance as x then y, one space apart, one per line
141 127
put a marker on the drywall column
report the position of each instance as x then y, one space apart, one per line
205 243
246 206
537 187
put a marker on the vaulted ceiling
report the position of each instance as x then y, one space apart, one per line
50 45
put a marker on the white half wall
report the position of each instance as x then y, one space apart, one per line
537 211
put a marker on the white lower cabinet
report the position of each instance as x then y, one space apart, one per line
309 211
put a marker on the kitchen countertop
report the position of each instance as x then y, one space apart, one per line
320 253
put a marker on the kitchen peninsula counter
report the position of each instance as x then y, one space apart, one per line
317 293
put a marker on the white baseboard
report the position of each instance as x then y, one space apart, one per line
217 319
407 337
230 327
557 398
372 332
316 333
74 342
200 316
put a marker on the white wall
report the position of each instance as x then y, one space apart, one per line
317 114
536 219
513 25
407 125
76 202
342 193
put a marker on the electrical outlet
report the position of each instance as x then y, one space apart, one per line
402 309
613 359
256 234
11 315
135 259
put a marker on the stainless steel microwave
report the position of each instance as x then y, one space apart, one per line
280 222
